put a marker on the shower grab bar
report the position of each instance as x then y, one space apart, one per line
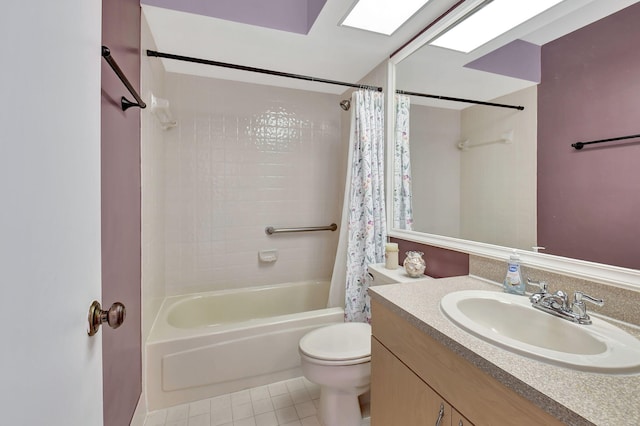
270 230
124 102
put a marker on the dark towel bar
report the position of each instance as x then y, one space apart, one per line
580 145
124 102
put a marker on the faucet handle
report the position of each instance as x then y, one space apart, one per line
536 297
542 284
580 310
579 296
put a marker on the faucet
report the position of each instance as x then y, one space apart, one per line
558 303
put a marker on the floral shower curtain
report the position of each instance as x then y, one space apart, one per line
402 213
366 219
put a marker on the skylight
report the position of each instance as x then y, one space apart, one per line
492 20
382 16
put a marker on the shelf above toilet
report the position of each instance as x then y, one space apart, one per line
382 275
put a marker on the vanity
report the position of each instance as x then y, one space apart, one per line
426 370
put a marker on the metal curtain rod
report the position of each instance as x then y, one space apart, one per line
124 102
580 145
258 70
469 101
270 230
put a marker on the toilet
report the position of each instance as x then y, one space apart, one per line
338 359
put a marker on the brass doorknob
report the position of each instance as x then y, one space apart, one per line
114 316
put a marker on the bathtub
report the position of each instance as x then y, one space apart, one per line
208 344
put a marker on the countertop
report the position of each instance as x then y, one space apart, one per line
574 397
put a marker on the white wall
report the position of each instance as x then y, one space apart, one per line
244 157
499 180
435 168
487 193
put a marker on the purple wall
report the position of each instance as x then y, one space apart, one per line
295 16
120 142
441 263
518 59
589 200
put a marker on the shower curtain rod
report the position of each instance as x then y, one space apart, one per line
258 70
469 101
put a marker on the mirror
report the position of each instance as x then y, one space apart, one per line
510 178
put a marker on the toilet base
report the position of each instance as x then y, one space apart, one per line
339 408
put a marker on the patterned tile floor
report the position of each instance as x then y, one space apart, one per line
289 403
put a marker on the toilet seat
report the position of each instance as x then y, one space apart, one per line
338 344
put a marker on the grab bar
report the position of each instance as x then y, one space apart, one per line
270 230
505 138
124 102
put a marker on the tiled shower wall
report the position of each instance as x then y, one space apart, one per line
244 157
153 182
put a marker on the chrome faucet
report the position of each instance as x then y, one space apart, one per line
558 303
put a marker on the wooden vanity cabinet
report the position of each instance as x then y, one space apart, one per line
401 398
458 419
413 375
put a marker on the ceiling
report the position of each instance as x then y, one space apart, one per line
441 71
328 51
333 52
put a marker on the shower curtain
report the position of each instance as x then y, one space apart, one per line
363 232
402 213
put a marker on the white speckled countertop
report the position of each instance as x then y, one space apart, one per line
574 397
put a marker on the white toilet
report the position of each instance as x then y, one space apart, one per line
338 358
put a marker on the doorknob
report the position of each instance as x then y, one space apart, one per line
114 316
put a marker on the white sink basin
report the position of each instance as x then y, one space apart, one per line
509 321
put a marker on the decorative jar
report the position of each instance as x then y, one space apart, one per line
414 264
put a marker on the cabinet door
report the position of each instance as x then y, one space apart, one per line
458 420
399 397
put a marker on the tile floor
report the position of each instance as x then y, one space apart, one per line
289 403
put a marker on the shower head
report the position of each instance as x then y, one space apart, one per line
345 104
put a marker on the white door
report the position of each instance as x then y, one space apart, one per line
50 369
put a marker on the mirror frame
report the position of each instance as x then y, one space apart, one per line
608 274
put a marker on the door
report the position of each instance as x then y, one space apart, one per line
50 212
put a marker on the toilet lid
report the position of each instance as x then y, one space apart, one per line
344 341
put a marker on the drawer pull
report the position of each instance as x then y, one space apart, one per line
440 415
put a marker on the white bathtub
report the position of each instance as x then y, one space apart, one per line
207 344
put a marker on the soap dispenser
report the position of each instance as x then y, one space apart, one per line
513 282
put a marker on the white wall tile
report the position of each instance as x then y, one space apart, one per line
153 174
242 158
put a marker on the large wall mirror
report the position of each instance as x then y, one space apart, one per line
486 179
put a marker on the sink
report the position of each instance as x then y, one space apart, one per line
509 321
